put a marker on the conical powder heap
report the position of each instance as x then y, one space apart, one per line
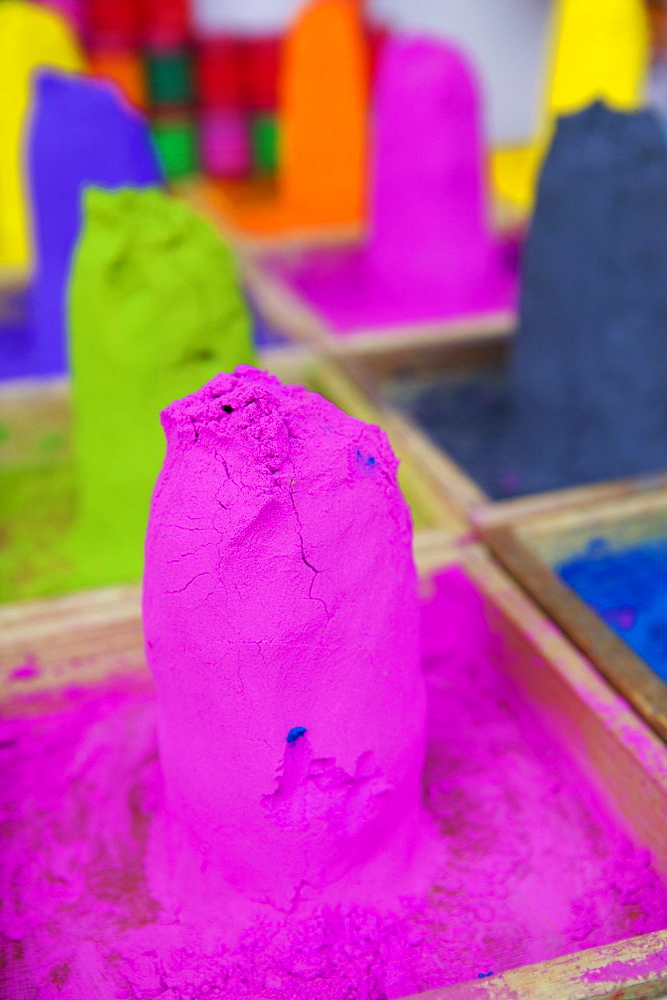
281 624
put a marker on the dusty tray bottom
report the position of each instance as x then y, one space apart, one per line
534 864
469 417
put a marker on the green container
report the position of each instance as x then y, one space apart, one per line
176 142
169 77
265 144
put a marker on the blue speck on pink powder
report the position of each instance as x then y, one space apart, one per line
367 460
628 589
295 732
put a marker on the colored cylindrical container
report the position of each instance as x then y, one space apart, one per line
169 76
166 23
261 69
224 142
264 133
125 69
114 23
219 72
176 142
74 10
376 36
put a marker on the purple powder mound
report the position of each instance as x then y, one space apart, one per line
82 133
17 340
534 864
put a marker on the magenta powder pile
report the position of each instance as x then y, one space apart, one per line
321 802
431 255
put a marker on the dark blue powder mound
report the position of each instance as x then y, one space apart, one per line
628 589
586 395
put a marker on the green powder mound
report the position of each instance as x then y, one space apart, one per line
155 312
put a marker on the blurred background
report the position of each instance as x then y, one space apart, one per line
450 217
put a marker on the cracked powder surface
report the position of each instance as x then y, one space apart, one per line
280 594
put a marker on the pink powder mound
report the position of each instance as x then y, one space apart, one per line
431 255
282 628
534 865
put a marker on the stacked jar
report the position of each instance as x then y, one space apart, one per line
169 72
262 64
113 29
74 11
224 138
376 36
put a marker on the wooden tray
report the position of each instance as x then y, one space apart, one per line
86 638
372 370
529 545
34 423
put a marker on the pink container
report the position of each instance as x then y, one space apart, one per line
224 139
73 10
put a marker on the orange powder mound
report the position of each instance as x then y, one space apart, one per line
323 113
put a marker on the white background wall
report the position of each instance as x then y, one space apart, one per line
504 38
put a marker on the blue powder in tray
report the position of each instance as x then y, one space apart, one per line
628 589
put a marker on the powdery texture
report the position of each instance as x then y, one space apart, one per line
431 254
155 311
534 865
281 623
589 353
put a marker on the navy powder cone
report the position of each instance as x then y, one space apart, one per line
588 373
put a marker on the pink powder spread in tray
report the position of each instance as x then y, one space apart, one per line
533 865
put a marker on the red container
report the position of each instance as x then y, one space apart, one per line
124 68
219 73
114 23
261 71
376 36
224 143
166 23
